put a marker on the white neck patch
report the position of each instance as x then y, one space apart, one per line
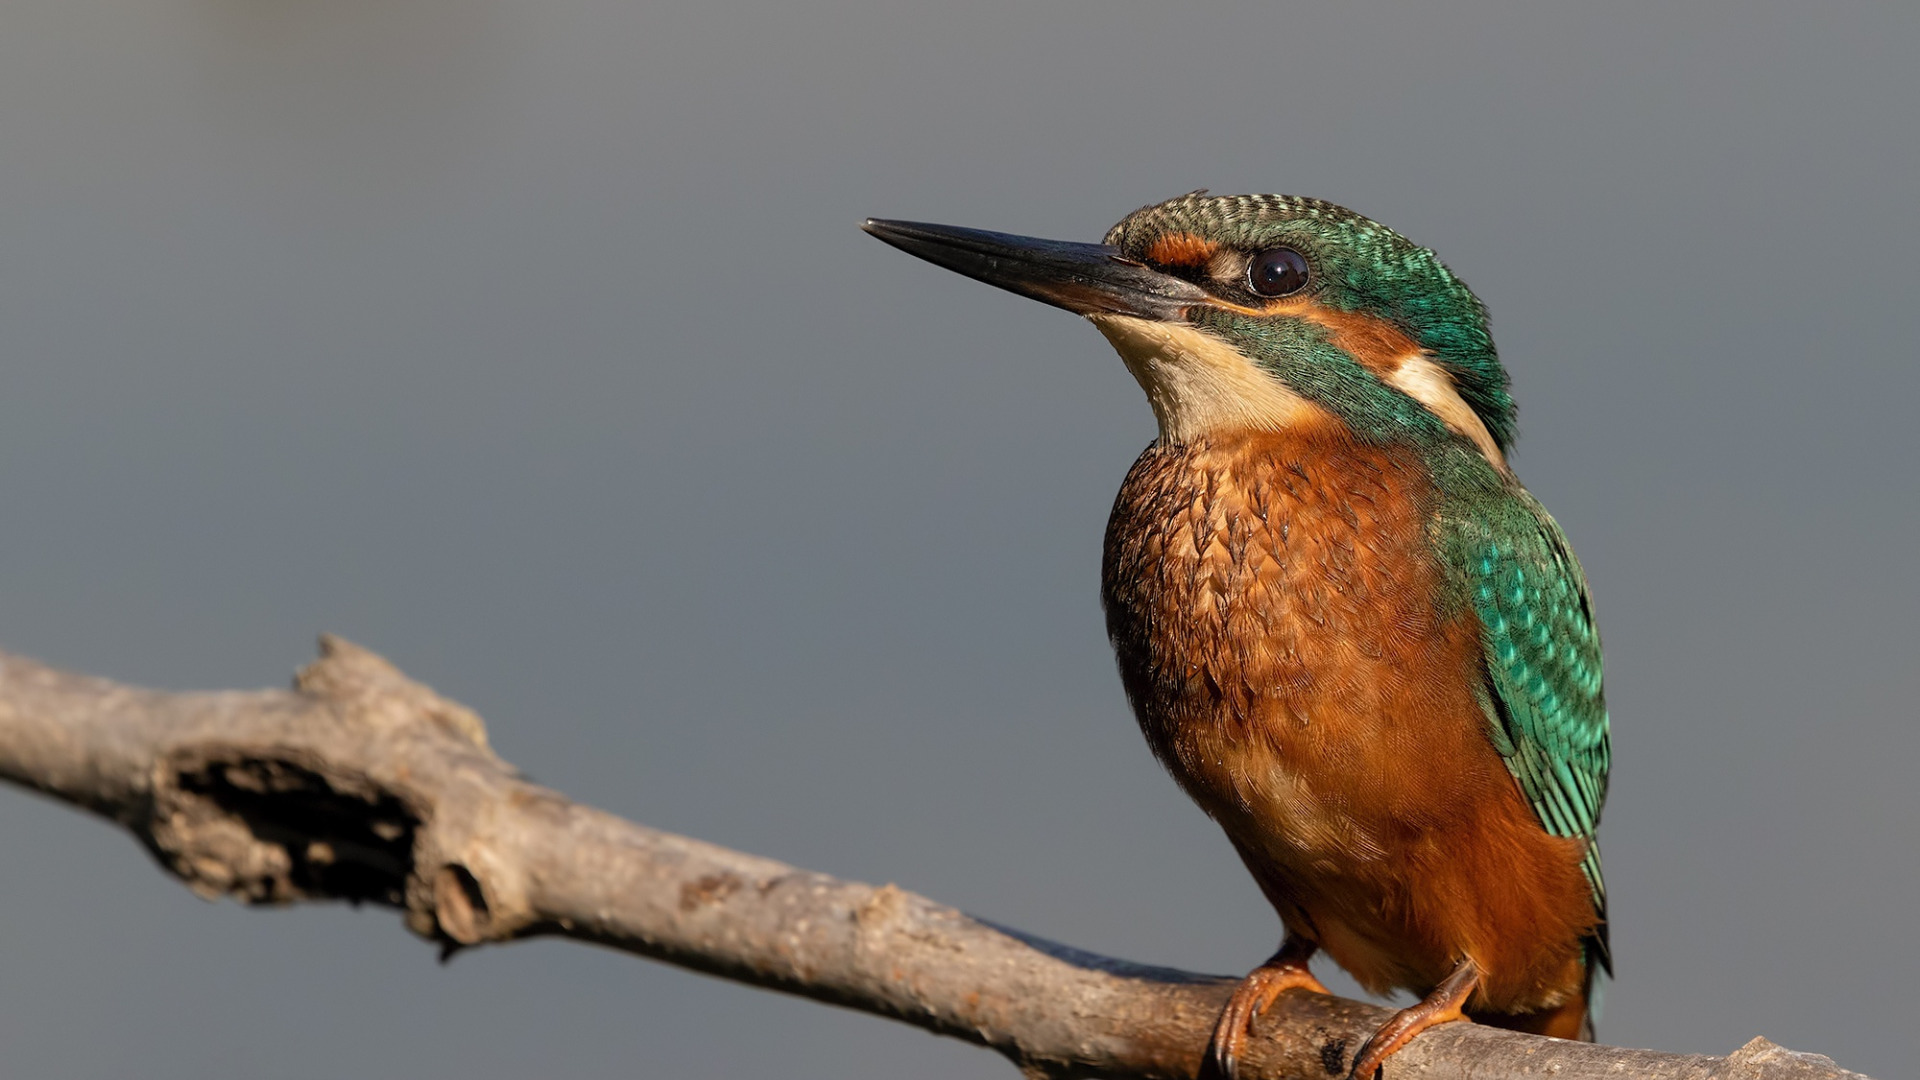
1429 384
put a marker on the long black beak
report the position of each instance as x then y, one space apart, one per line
1087 279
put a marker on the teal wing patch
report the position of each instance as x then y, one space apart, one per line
1547 709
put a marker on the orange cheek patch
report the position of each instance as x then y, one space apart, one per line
1376 343
1397 360
1181 249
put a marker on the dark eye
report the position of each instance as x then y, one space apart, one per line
1277 272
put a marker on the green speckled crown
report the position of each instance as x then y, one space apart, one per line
1363 266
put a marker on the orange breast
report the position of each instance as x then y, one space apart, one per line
1271 600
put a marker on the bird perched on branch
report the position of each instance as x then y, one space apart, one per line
1345 628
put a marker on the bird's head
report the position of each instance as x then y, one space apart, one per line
1263 312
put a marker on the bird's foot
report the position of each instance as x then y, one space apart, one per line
1283 971
1439 1007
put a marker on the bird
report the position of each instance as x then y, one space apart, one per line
1344 626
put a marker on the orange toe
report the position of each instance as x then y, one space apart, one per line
1286 970
1441 1006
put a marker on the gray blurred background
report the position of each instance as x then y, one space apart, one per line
535 345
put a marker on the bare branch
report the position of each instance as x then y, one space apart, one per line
360 784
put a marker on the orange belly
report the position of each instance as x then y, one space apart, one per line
1273 600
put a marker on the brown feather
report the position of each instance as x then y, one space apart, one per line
1271 600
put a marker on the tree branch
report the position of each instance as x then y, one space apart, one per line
362 785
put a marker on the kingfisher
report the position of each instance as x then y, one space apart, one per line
1345 628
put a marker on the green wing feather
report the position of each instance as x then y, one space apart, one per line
1547 710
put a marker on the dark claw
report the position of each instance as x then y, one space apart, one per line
1359 1056
1220 1062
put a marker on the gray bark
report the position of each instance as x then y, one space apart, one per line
360 784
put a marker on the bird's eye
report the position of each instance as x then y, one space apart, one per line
1277 272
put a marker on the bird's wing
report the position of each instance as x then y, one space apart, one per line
1547 711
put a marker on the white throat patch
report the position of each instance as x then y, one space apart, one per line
1198 384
